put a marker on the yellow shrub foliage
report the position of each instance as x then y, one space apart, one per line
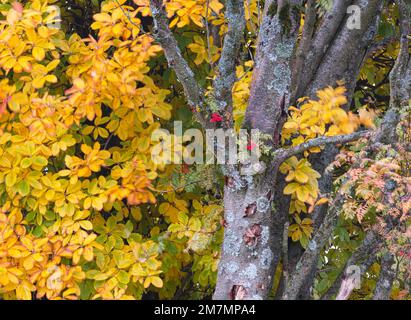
314 118
74 214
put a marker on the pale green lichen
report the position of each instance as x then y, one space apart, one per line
250 272
265 235
266 258
312 245
237 182
231 267
282 79
284 49
232 243
262 204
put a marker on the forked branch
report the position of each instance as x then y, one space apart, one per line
234 14
283 154
175 59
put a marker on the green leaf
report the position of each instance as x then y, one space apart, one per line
182 218
194 224
38 231
304 241
30 216
5 7
23 188
26 162
86 288
123 277
40 161
50 215
322 285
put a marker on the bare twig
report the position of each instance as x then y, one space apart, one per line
283 154
175 59
310 256
175 189
379 45
285 254
129 18
322 41
226 77
208 35
303 48
108 141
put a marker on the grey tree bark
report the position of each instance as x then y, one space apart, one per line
386 278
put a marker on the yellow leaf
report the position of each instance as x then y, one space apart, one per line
90 238
302 193
156 281
301 176
321 201
38 53
295 236
291 188
86 225
88 253
23 293
290 176
28 263
11 179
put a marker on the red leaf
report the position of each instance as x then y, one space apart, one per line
215 117
250 210
252 235
3 105
238 292
184 168
251 146
229 181
17 6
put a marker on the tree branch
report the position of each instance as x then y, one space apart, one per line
271 82
310 256
283 154
226 77
304 46
175 59
400 76
340 53
386 278
400 80
322 41
285 254
363 257
379 45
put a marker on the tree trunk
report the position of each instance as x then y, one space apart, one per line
251 248
252 245
386 278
